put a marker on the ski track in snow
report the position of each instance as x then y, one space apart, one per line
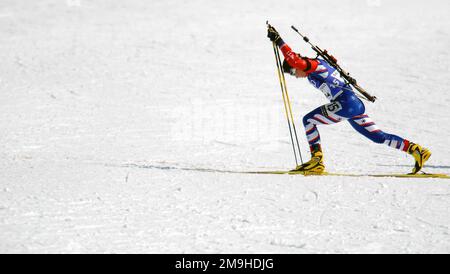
111 109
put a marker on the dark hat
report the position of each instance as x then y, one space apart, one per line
286 67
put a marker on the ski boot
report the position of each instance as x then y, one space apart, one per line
315 165
420 154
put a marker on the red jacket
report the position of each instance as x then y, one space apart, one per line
305 64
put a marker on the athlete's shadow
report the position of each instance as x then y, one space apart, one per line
426 166
165 167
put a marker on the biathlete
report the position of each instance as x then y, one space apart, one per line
344 105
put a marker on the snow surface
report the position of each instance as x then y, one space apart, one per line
111 109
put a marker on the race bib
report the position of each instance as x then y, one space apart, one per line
332 107
325 90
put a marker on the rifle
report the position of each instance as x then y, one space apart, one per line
333 62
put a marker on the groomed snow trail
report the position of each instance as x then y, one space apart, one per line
111 109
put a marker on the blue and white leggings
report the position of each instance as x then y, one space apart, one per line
348 107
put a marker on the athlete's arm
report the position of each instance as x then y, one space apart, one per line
305 64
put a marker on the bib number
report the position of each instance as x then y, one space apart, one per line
333 107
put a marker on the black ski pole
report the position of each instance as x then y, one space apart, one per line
286 101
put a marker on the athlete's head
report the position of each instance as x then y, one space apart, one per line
293 71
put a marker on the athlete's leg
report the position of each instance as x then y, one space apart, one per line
311 121
324 115
344 107
367 127
318 116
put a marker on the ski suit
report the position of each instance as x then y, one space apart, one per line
344 104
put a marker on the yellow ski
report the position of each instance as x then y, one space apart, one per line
278 172
396 175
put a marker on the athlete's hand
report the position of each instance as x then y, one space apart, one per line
273 34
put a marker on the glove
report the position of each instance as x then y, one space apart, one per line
273 35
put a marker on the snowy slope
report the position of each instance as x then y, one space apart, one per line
111 109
